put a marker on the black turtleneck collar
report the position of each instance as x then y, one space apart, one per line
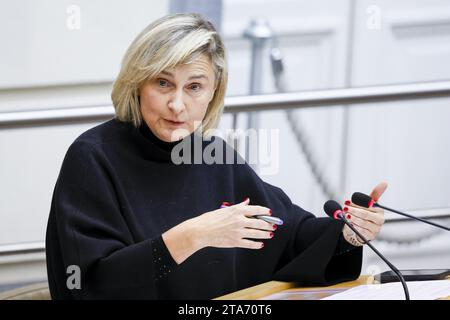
159 150
148 134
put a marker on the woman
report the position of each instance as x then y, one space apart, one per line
139 225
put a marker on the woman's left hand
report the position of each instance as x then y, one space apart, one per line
367 221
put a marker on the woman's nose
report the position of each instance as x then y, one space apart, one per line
176 103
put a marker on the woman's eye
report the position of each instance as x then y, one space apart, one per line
195 87
163 83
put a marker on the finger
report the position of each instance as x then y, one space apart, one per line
257 234
375 217
364 214
378 191
249 244
365 233
242 204
258 224
351 204
364 224
254 211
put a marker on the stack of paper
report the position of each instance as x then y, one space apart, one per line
418 290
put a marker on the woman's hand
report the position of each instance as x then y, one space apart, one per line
230 227
233 227
367 221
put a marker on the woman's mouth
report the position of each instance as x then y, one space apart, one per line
174 123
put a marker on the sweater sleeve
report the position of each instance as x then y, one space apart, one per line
313 252
343 245
93 234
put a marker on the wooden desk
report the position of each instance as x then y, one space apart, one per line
289 290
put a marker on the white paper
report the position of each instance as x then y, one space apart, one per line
418 290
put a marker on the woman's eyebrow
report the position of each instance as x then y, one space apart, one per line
200 76
195 76
167 73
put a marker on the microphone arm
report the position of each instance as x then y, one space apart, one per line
396 271
366 201
376 204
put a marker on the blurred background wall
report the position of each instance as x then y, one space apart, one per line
66 54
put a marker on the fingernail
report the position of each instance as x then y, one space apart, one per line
349 216
262 245
245 199
347 202
275 227
271 234
345 209
270 212
226 204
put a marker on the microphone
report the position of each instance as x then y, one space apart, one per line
366 201
334 211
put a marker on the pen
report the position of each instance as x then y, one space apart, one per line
269 219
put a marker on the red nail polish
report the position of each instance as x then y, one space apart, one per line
275 227
347 202
345 209
271 234
349 216
245 199
225 203
270 212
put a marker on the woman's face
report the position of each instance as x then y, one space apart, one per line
175 102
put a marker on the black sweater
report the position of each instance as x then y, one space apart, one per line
118 191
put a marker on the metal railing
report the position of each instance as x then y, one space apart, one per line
22 248
281 101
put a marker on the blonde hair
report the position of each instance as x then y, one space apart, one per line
169 41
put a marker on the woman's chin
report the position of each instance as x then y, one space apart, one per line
174 135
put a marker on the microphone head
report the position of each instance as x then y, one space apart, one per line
332 209
362 200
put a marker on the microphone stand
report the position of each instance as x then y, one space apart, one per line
396 271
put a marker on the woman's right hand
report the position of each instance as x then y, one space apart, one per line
233 227
230 227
